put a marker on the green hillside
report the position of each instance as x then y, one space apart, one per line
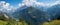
3 22
54 22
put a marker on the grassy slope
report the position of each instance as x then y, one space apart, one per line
54 22
3 22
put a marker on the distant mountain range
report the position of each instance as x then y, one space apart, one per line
54 11
31 14
37 14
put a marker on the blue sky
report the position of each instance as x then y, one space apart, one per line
12 2
16 2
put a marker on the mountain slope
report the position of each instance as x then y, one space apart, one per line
32 15
54 11
3 16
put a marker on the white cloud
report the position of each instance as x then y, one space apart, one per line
35 2
26 2
55 3
5 7
32 3
20 5
29 2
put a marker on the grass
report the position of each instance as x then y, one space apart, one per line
3 22
54 22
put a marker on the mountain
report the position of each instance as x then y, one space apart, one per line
37 14
3 16
54 11
31 15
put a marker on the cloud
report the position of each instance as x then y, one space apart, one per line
35 2
6 7
20 5
26 2
55 3
31 3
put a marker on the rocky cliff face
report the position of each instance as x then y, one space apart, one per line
3 16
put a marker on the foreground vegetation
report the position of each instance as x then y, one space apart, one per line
12 23
3 22
54 22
